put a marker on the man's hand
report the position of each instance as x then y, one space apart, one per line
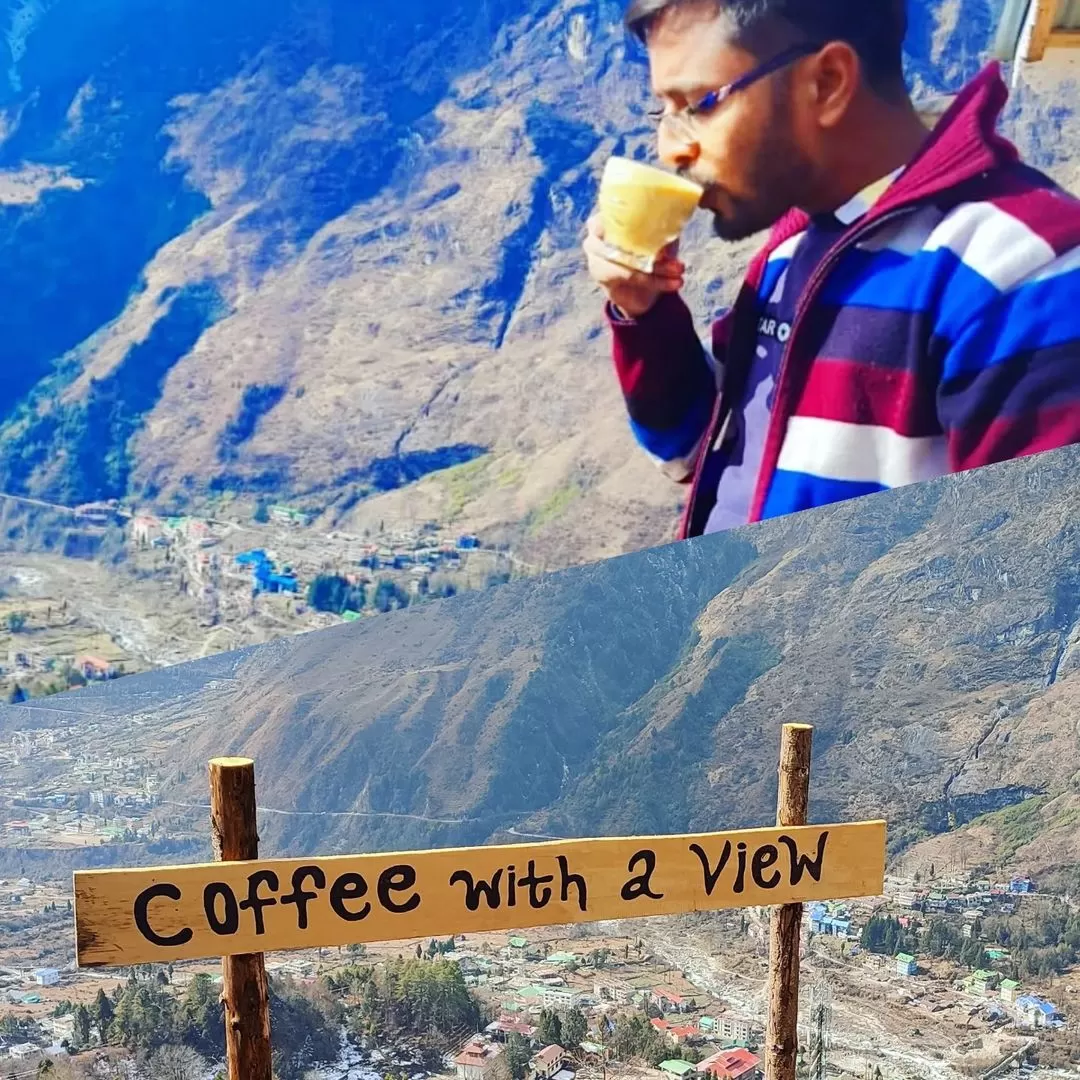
631 291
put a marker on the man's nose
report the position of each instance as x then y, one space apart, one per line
676 148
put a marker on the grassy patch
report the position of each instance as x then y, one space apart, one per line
463 484
557 505
512 477
1015 826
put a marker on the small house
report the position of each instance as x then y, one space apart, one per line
835 926
1010 988
532 995
981 982
616 992
905 964
548 1062
676 1067
46 976
830 920
288 515
1035 1012
679 1034
479 1060
1021 886
669 1001
564 959
1039 32
145 529
95 668
738 1064
505 1026
282 583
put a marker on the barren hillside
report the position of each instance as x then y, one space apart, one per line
329 254
931 636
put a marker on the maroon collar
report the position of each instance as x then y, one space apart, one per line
964 144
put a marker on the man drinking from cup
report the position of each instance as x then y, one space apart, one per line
915 310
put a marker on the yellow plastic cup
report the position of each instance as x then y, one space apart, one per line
643 210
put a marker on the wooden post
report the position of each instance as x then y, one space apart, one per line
245 991
782 1033
1041 28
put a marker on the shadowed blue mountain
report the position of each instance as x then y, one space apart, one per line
94 91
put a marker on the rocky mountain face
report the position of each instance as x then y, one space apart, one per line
328 251
932 636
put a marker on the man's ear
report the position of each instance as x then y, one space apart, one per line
832 79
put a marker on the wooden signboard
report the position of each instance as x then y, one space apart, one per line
126 917
241 907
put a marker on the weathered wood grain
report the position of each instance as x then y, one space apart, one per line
785 930
156 915
245 992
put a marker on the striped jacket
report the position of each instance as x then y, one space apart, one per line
941 333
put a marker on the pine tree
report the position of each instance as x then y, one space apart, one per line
549 1029
517 1057
81 1017
574 1028
103 1015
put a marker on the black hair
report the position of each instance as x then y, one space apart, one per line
875 29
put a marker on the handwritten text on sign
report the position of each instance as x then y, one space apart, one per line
128 917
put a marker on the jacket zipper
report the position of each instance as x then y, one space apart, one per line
711 432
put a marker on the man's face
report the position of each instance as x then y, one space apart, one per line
746 152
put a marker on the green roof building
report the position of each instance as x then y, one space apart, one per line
676 1067
979 982
562 958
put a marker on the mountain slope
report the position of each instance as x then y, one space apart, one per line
932 636
330 253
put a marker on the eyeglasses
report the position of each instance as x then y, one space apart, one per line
685 121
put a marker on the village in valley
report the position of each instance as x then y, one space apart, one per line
163 590
654 999
946 976
949 974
